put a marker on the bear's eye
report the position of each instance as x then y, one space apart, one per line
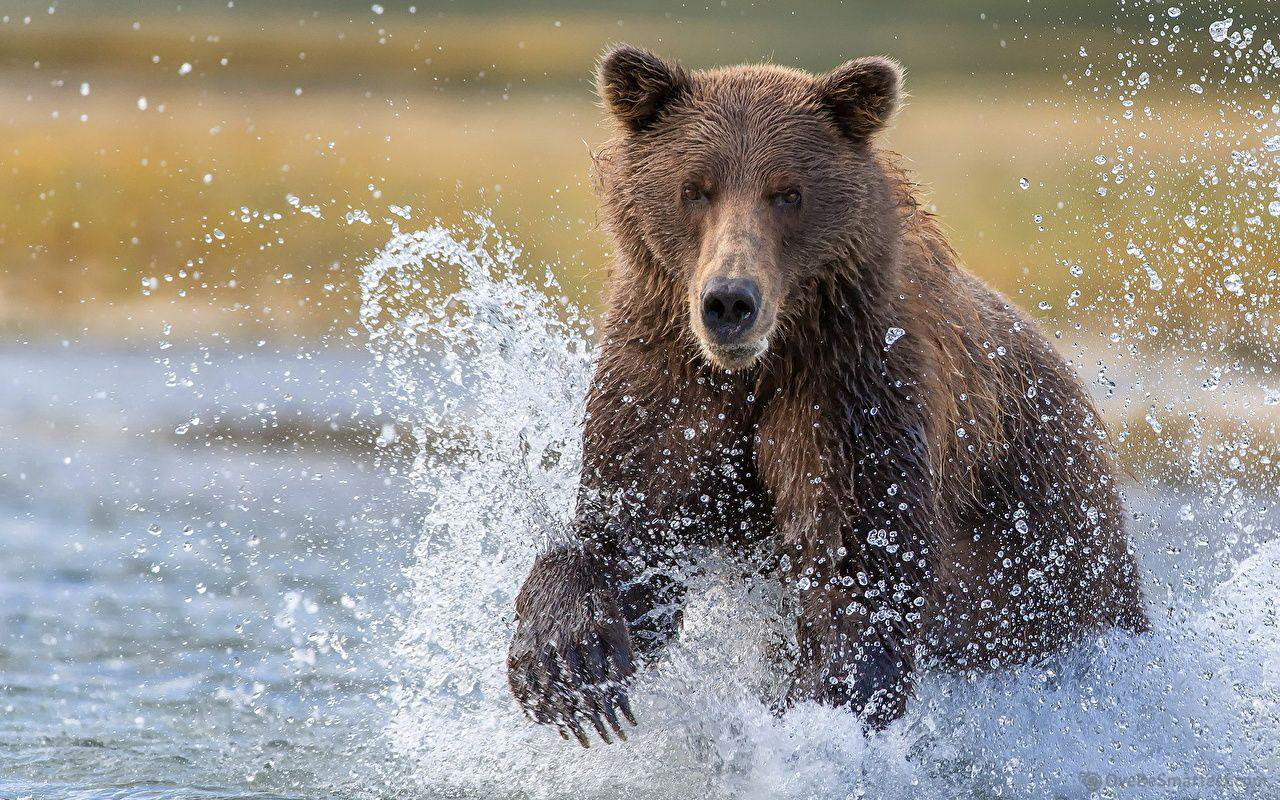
693 193
787 198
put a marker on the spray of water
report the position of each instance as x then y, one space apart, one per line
1181 215
489 378
487 370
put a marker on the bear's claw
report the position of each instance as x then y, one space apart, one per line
572 672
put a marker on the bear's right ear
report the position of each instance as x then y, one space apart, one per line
635 85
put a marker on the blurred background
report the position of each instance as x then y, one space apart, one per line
207 547
148 147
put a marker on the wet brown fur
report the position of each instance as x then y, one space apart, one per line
947 499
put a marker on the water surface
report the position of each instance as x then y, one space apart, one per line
273 571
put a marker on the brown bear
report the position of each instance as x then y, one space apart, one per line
794 363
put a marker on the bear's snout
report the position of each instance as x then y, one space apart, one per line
730 308
734 293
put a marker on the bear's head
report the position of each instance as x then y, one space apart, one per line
747 185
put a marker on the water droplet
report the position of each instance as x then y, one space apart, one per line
892 335
1218 30
1153 279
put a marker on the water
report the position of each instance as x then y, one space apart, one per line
1194 701
194 610
273 572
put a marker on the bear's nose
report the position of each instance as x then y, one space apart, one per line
729 307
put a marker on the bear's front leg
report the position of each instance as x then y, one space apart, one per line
848 655
858 532
571 653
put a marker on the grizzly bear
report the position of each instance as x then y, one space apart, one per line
793 362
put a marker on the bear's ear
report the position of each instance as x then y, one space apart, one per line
635 85
862 94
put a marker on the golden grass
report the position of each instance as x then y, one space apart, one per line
93 207
90 208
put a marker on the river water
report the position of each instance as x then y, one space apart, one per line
287 571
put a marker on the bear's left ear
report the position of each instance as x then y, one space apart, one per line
862 94
635 85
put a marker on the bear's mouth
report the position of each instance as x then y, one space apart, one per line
736 356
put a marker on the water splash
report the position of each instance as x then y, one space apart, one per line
488 372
